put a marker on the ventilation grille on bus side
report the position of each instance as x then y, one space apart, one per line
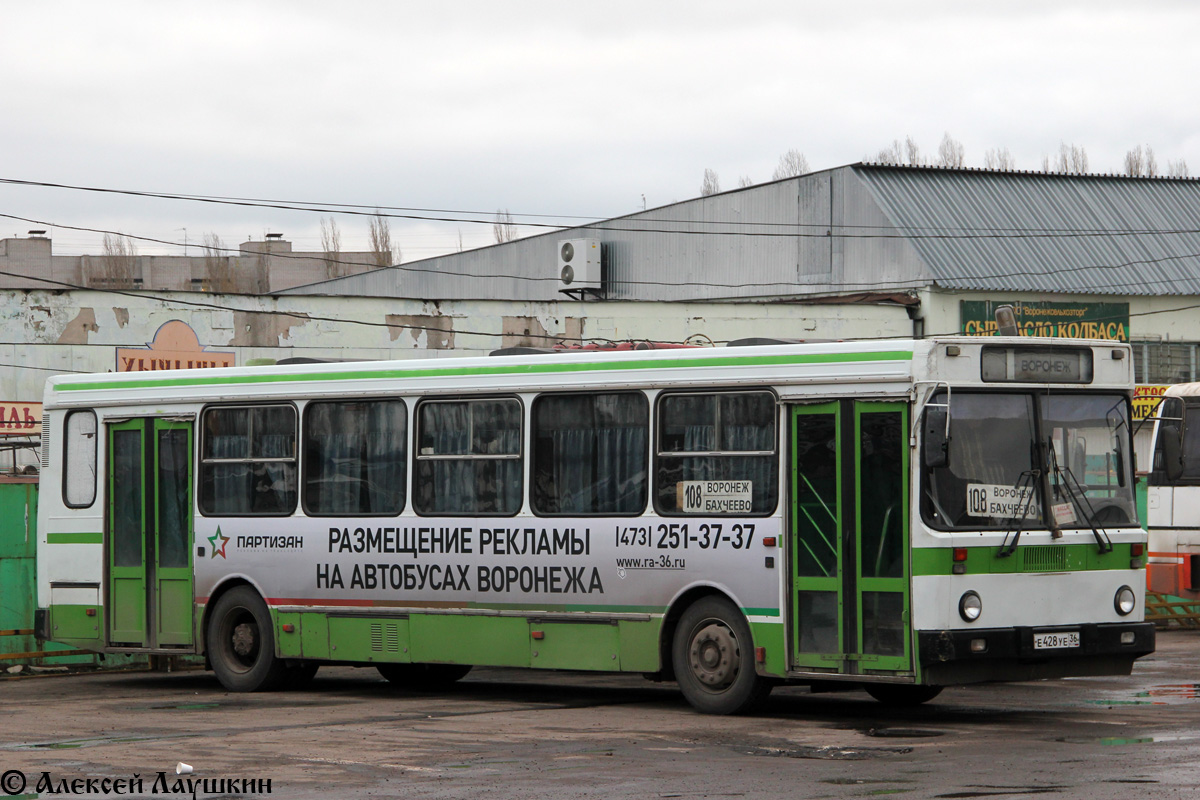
385 637
45 442
1044 558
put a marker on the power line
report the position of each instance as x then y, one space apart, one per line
900 285
823 230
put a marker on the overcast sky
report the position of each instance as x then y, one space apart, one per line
546 108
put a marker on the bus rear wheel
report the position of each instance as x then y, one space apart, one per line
713 657
902 695
241 643
423 677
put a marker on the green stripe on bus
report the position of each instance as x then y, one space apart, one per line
74 538
603 609
1028 558
522 369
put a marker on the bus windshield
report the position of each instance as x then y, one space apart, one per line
1008 450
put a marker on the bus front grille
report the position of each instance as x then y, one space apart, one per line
1044 558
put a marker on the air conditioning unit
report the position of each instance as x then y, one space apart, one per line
579 265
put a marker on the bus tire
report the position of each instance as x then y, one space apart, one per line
423 677
713 656
241 643
902 695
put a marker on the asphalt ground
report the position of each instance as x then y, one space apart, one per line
532 734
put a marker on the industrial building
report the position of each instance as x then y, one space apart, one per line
859 251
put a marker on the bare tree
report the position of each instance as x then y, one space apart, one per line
951 152
1135 162
218 267
504 229
791 164
1177 169
744 181
711 185
999 158
382 249
900 154
1072 159
912 151
331 245
118 266
892 154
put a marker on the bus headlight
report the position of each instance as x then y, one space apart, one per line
970 606
1125 601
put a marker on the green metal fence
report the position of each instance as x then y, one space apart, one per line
18 587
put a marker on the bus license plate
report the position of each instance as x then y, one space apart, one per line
1054 641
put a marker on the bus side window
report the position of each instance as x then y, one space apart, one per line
1168 441
248 461
79 459
589 453
355 458
717 454
468 458
1191 443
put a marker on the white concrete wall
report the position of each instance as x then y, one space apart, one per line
43 332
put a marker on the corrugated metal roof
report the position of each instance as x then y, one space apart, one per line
857 228
1026 231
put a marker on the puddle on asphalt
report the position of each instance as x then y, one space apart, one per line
1155 695
824 753
1108 741
1182 691
71 744
864 781
1122 741
903 733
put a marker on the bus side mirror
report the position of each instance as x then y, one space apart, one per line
936 447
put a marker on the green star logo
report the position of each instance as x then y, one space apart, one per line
218 551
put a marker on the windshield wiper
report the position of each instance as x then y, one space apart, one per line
1024 489
1077 496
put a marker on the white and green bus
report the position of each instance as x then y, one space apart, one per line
896 515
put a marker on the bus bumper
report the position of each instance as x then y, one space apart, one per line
954 657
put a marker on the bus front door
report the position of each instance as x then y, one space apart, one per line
849 538
148 534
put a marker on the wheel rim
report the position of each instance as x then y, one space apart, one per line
242 640
713 656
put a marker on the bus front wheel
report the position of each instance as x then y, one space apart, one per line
423 677
241 643
713 656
